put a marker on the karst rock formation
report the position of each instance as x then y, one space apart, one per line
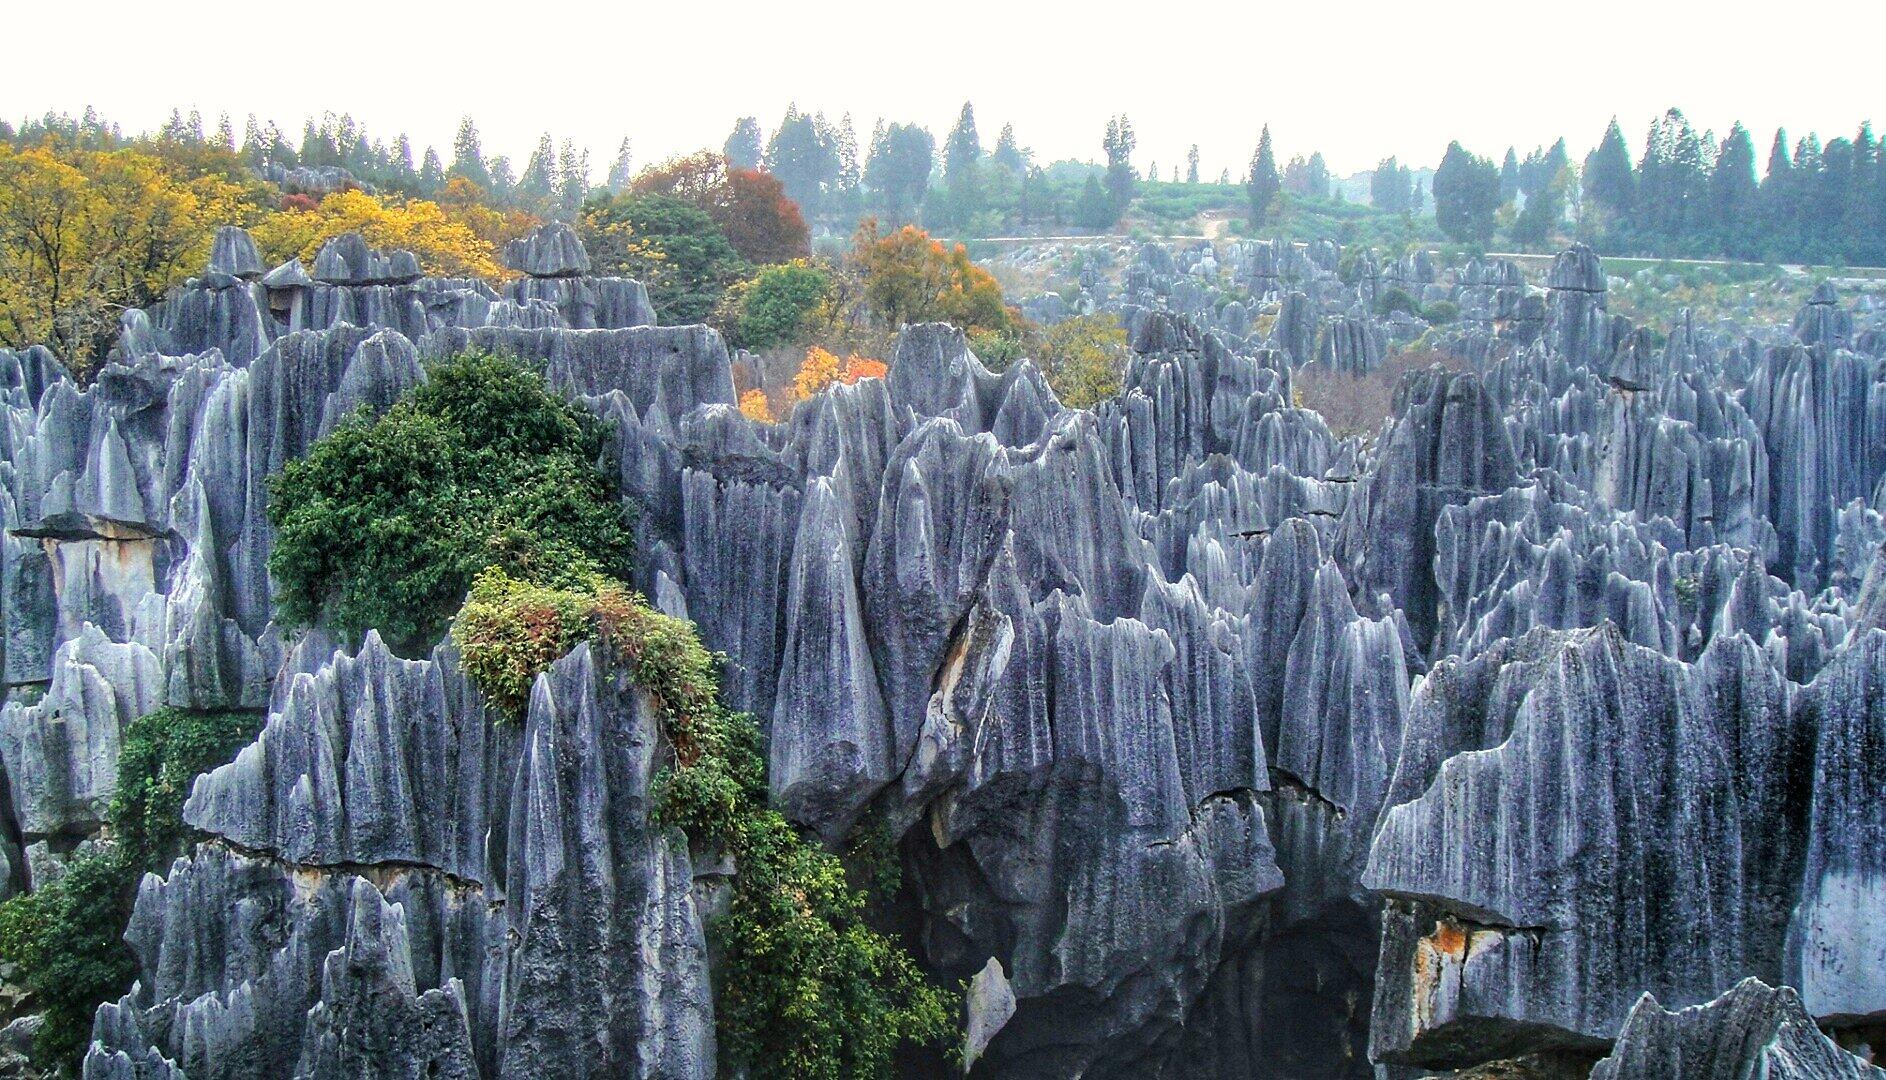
1551 717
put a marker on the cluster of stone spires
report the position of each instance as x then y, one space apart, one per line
1218 745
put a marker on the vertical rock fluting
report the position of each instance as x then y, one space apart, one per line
1161 699
1643 826
397 884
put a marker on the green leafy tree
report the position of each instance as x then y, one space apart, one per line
622 168
671 246
468 157
539 181
804 155
1609 179
1119 143
1391 187
1732 189
963 149
1466 196
1007 155
1509 178
778 306
898 171
1094 209
1321 183
1543 210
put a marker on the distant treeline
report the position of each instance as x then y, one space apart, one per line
1690 195
554 181
1687 194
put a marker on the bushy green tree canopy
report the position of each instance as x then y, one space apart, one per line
777 306
1466 196
386 521
672 247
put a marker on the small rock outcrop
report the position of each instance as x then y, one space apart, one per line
1752 1032
552 251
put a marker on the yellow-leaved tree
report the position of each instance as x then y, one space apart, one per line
753 406
469 205
86 234
1084 358
444 245
821 368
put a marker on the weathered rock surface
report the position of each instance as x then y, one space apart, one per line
553 251
1214 743
1752 1031
540 926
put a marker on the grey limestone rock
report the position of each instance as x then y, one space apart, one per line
347 260
1210 740
1751 1032
552 251
1630 791
1836 953
233 252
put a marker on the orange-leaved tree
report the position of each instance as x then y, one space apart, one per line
751 208
753 406
821 368
909 278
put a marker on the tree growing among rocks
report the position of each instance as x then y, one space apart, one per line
1263 184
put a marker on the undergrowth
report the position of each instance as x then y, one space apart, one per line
65 938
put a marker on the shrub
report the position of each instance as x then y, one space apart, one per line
821 369
1441 312
804 988
66 937
1084 359
997 349
387 520
1395 299
1357 405
66 940
162 755
510 630
754 406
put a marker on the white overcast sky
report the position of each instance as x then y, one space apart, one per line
1357 80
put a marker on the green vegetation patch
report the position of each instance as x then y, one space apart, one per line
65 938
387 520
778 306
672 247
